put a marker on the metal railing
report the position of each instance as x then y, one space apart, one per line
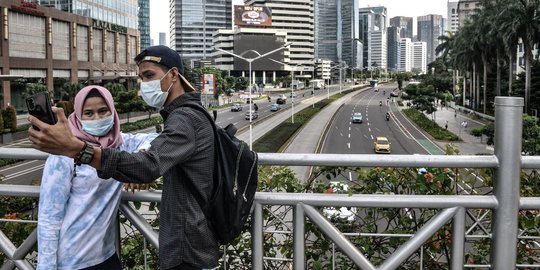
505 201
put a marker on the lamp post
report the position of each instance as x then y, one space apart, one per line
250 60
292 79
340 75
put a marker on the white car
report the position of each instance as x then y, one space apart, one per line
343 213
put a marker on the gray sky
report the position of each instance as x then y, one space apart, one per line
159 11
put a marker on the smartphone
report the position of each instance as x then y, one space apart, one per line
39 106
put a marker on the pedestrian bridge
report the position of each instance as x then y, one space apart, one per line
505 205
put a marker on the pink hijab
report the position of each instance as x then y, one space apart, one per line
113 138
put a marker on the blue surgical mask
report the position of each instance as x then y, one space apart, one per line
152 93
98 127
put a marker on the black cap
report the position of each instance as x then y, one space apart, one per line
167 57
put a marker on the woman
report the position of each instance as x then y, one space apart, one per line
77 209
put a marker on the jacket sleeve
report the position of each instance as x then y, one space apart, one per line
54 194
174 145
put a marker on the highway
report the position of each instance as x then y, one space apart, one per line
346 137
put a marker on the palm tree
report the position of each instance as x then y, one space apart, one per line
525 24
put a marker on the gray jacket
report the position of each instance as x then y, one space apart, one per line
184 155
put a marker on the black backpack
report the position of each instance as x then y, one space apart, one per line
235 182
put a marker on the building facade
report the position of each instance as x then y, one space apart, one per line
393 47
144 23
336 32
405 55
430 28
296 19
162 39
49 46
243 41
453 17
466 8
405 24
373 32
193 23
419 57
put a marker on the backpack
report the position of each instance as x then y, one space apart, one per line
235 182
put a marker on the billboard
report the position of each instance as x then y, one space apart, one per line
246 44
252 16
209 86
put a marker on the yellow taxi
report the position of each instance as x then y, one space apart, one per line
382 145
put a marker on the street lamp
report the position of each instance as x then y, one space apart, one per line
292 79
340 67
250 60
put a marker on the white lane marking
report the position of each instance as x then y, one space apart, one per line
371 136
349 135
350 176
349 145
18 165
23 172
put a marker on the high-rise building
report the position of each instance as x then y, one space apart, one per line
372 26
453 16
336 31
122 13
406 25
193 23
466 8
405 55
430 28
162 39
393 47
144 23
419 57
296 18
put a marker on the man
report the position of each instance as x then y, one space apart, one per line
182 153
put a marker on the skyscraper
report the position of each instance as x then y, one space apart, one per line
193 23
393 47
372 27
453 16
336 31
419 59
405 55
144 23
405 24
162 39
430 28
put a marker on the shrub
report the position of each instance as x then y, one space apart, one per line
10 118
430 126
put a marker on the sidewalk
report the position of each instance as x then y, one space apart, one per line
470 145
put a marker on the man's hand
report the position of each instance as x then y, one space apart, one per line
54 139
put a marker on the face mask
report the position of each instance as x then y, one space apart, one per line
98 127
152 93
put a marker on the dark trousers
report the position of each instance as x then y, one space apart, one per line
112 263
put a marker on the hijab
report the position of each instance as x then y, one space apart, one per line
112 139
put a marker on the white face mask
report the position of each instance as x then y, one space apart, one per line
98 127
152 93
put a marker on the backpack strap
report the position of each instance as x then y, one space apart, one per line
197 195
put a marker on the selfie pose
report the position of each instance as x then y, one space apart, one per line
77 209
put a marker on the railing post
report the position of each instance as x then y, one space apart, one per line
458 239
508 131
298 237
257 236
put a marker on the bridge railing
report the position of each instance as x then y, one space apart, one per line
505 201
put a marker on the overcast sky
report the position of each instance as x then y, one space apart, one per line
159 11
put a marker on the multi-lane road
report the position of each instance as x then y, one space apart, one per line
346 137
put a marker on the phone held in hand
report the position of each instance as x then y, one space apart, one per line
39 106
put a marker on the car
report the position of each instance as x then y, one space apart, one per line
376 89
280 100
236 107
343 213
382 145
357 118
275 107
293 94
394 93
249 100
254 115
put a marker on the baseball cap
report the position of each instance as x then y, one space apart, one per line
167 57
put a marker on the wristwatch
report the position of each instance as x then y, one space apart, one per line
86 155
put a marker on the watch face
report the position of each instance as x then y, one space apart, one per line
86 157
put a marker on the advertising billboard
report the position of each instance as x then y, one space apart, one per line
209 86
252 16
